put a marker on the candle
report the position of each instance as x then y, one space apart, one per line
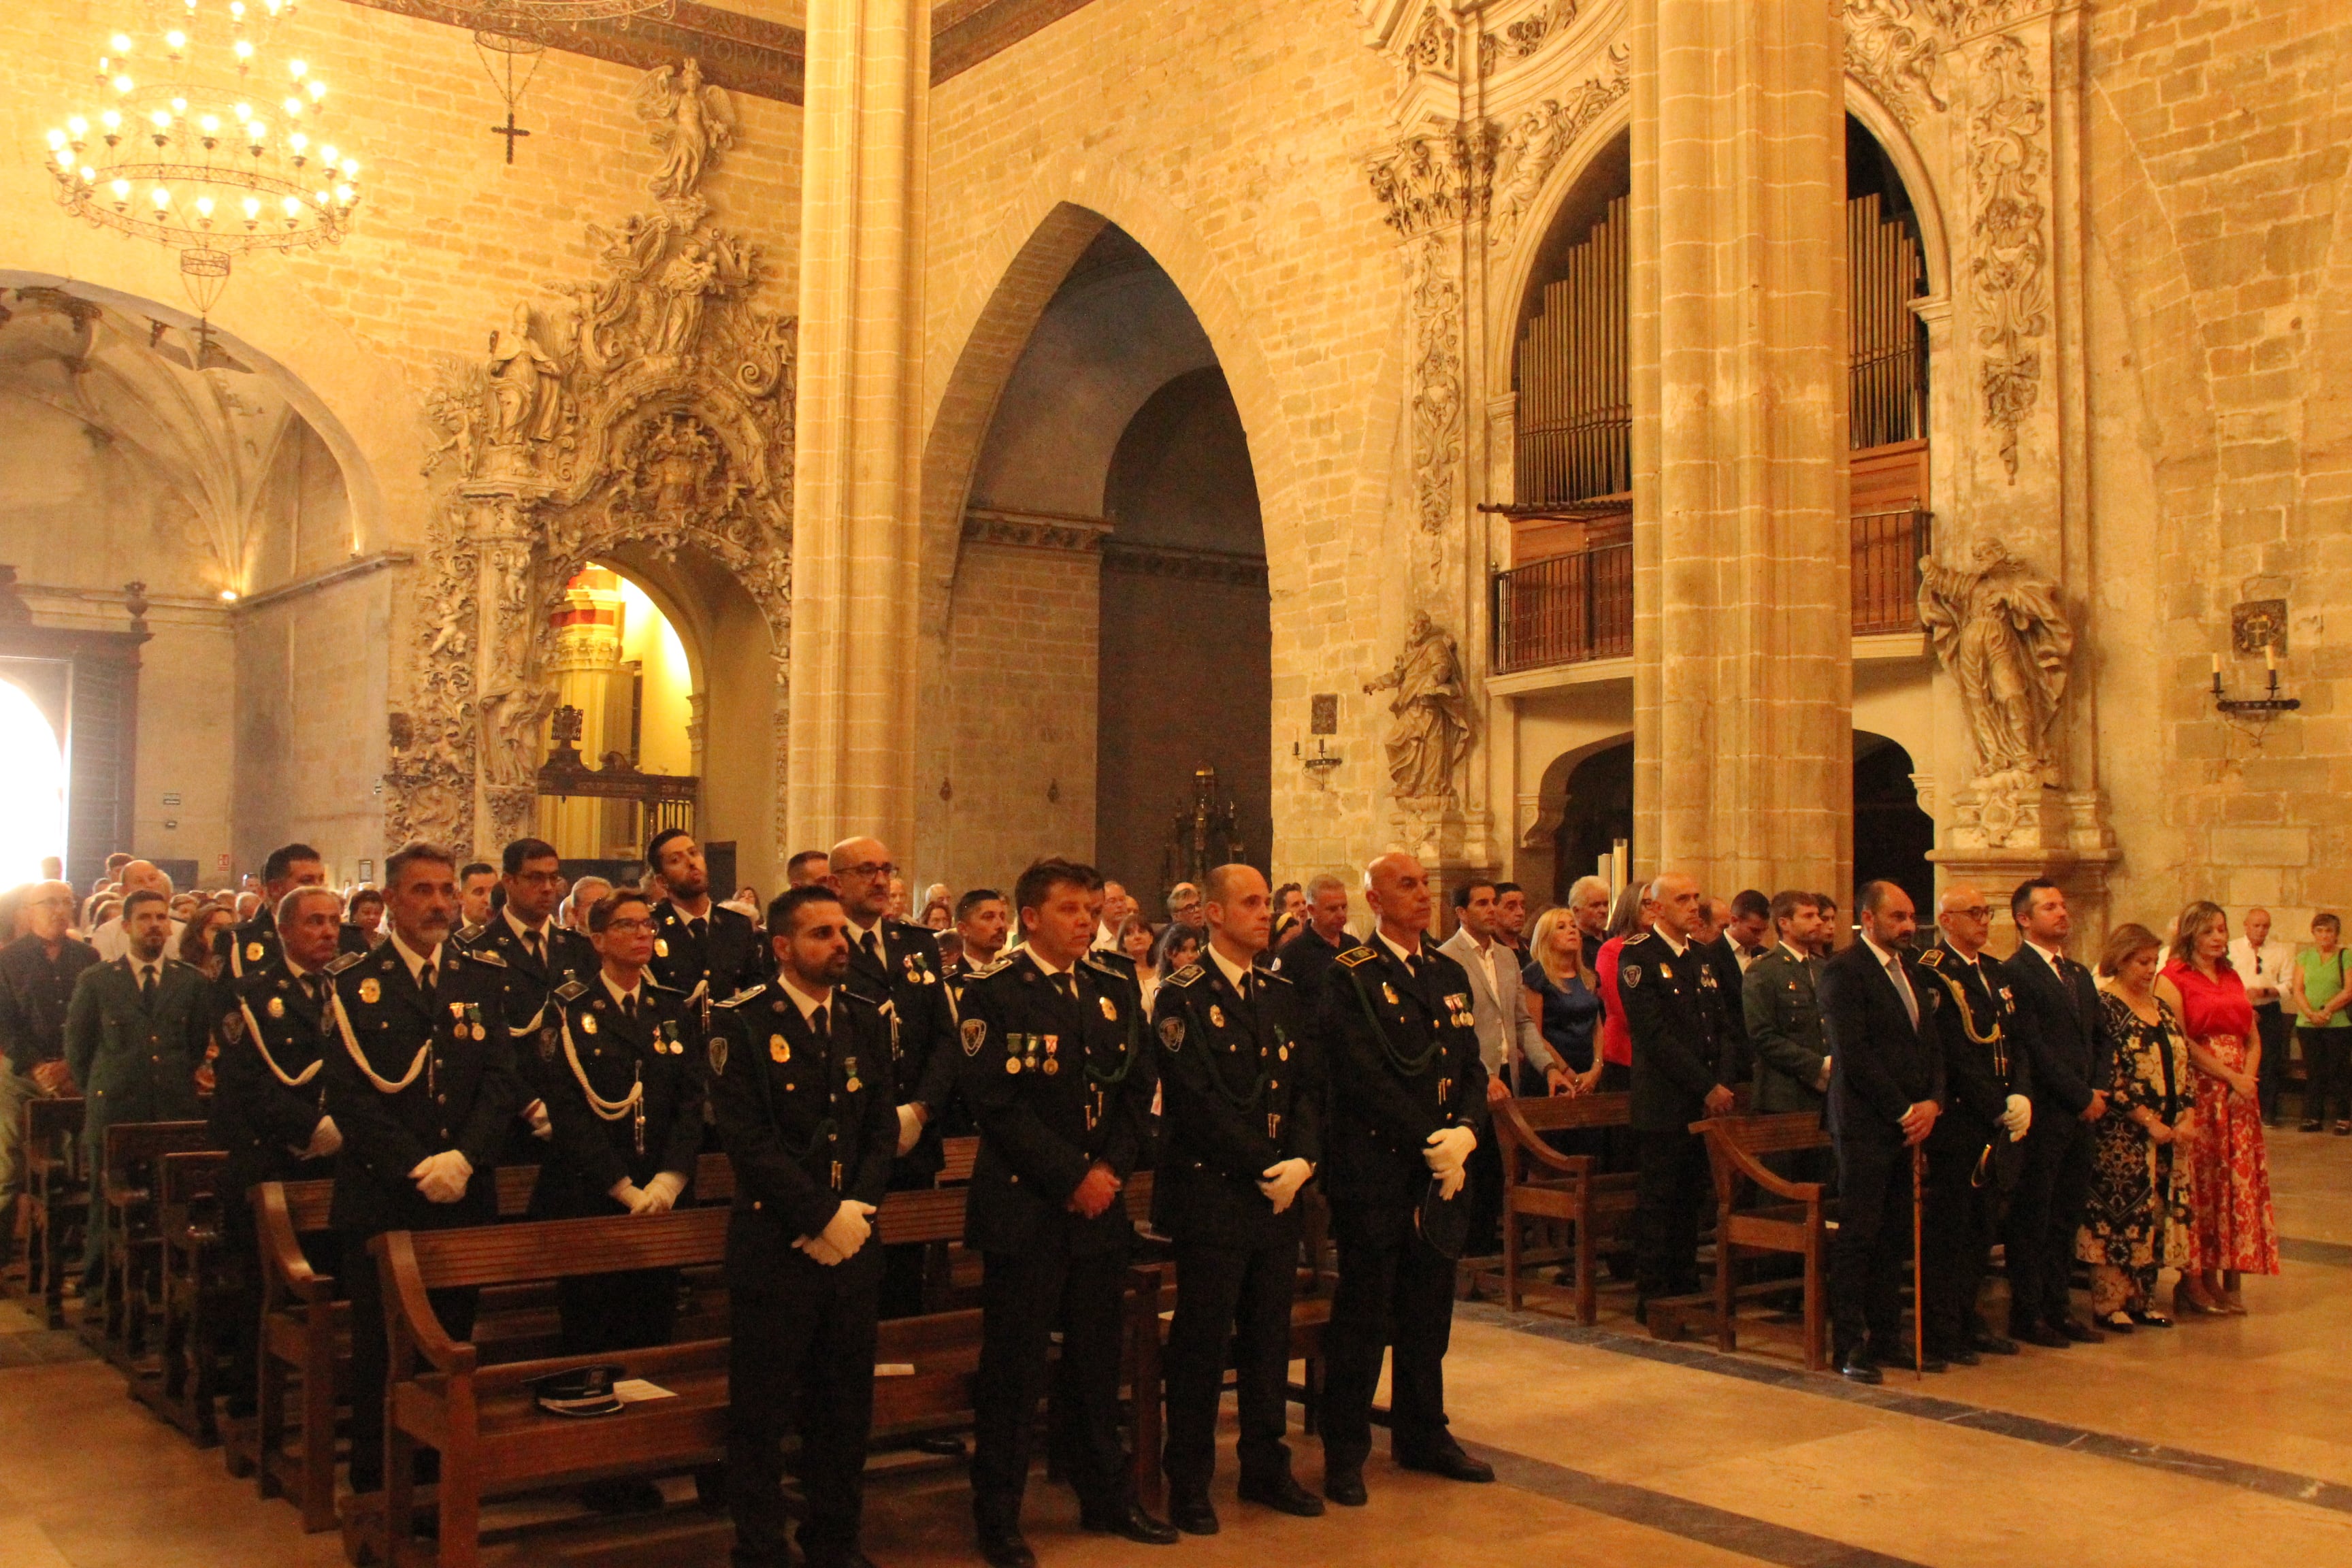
2270 656
2217 666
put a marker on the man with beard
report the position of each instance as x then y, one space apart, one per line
535 956
703 951
37 972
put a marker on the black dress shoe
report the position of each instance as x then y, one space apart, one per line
1283 1495
1899 1358
1958 1355
1192 1515
1447 1459
1005 1549
2080 1333
2045 1336
943 1445
1129 1523
1345 1487
1857 1367
1986 1343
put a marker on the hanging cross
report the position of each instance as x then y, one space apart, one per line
510 130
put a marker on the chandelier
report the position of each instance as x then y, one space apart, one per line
197 140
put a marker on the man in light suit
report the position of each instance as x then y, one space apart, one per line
1498 1009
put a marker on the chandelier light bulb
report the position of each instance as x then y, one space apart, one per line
317 89
205 207
244 50
293 205
122 190
124 84
298 69
162 199
56 140
243 112
293 107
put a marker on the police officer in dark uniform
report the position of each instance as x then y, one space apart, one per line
620 1065
895 966
800 1079
703 951
422 1088
1058 1070
1241 1123
269 1105
1680 1074
1408 1103
536 954
251 946
1987 1110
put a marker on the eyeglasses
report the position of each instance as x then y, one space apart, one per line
628 927
870 870
1978 913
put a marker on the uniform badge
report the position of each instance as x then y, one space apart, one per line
849 1067
717 1052
370 991
277 1007
232 1027
588 1023
1282 1052
1629 975
661 947
1171 1033
1216 1017
1110 1010
1011 1064
253 950
975 1035
780 1049
1389 992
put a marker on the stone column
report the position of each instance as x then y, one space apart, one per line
1743 664
859 466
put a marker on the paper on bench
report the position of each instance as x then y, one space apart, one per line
630 1390
894 1369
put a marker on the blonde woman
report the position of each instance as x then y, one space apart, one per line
2231 1231
1562 998
2137 1221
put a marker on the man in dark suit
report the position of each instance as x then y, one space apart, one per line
1408 1104
1988 1110
135 1034
1243 1120
895 966
1682 1073
38 974
1059 1070
800 1079
423 1089
1324 937
703 951
1886 1088
2062 1030
269 1103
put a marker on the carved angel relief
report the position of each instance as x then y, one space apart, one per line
649 404
2002 634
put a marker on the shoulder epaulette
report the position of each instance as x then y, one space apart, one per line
985 970
571 991
175 963
861 998
1356 956
740 996
470 933
341 962
1186 976
1272 974
1638 937
484 955
1932 957
647 980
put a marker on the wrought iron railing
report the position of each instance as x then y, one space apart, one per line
1887 546
1565 610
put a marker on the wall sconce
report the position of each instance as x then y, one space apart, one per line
2249 713
1321 761
1323 721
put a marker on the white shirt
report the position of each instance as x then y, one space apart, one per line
2263 969
1671 939
1105 939
807 1004
544 931
113 944
626 999
1894 967
142 969
1410 958
1486 951
409 956
2048 957
1236 975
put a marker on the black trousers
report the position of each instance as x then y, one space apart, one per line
1228 1294
1024 1297
2044 1213
2273 1025
2328 1064
371 1353
1871 1245
622 1311
1394 1291
801 1359
1959 1224
1672 1189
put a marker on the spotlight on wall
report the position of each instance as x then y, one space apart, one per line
228 596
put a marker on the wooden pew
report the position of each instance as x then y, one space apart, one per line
1759 1211
493 1439
1541 1184
118 1324
54 1197
188 1219
961 1154
305 1347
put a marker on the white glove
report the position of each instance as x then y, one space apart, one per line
1450 1182
661 1192
2018 1117
628 1194
822 1251
1280 1183
910 1127
848 1228
325 1138
536 1114
1448 1148
442 1178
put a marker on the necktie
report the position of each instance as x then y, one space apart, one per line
1902 989
147 983
1067 985
424 978
872 946
310 989
821 1024
629 1006
530 940
697 926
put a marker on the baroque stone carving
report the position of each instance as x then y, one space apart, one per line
1431 732
1892 47
649 406
1524 35
1533 145
1435 310
2005 639
1435 178
2007 161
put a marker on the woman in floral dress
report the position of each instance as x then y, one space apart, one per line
2137 1221
2231 1230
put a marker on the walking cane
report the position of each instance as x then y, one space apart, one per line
1919 1269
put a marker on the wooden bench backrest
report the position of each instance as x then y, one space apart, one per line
714 1179
1774 1134
130 1143
961 1154
560 1248
307 1205
190 1175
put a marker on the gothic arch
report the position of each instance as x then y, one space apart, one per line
1927 200
1519 254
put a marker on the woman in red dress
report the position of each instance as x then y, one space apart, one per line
2231 1230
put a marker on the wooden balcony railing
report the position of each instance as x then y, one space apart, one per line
1569 609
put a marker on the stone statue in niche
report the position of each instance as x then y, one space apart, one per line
1432 731
2003 635
526 385
511 715
691 120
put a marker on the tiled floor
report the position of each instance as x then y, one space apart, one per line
2236 1434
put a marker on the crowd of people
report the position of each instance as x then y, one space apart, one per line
405 1041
